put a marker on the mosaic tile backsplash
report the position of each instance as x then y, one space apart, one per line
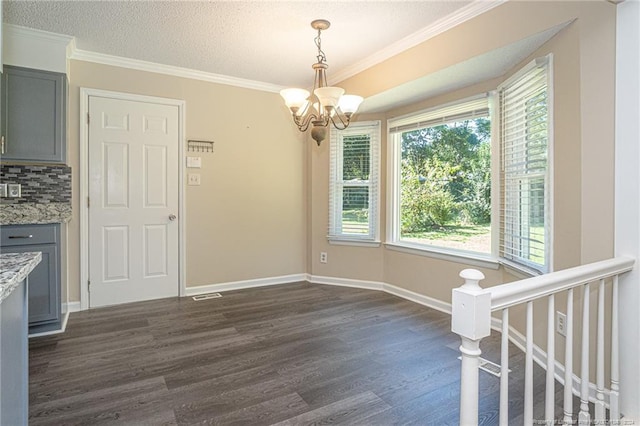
40 184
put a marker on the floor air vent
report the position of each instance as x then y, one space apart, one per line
206 296
489 367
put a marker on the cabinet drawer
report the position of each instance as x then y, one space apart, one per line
20 235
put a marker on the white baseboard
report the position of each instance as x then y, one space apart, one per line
345 282
387 288
239 285
65 319
421 299
71 307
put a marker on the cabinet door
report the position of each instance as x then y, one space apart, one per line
14 359
44 286
33 115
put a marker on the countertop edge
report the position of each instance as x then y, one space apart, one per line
35 213
14 268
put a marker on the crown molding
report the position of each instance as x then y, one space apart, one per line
40 35
458 17
122 62
31 48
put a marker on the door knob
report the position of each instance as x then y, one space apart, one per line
172 217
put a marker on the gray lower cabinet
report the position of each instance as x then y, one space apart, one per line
33 122
45 304
14 358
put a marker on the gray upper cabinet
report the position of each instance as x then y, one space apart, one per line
33 115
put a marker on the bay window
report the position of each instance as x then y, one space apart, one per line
471 179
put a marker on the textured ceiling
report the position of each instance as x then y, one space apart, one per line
265 41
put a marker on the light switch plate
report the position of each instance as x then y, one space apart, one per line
193 179
3 189
14 190
194 162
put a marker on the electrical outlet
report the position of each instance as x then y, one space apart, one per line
561 323
323 257
14 190
193 179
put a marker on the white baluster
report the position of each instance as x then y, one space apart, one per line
614 410
528 368
550 393
568 363
584 417
504 370
471 319
599 406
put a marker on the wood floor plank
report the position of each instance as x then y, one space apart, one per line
103 406
264 413
291 354
352 410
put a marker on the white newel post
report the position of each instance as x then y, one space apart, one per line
471 320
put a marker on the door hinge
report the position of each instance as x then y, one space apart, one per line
89 286
88 203
88 118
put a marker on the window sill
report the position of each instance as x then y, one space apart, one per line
467 258
352 242
519 271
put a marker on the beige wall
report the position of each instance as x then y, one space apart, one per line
262 209
247 220
583 93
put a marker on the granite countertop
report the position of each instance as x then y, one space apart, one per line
14 268
34 213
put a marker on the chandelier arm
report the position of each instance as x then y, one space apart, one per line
303 124
316 81
304 111
344 120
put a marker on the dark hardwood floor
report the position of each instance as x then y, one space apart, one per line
292 354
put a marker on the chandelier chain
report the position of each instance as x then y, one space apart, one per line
321 56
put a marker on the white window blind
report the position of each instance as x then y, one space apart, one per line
525 124
461 111
353 182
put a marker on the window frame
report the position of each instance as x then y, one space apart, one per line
494 259
336 184
531 268
394 156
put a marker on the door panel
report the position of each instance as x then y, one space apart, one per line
115 246
155 176
155 250
116 176
133 171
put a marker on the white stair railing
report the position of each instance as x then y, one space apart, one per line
471 319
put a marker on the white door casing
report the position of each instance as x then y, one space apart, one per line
134 200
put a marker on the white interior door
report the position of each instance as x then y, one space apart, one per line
133 192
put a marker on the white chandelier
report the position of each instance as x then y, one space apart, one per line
326 103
